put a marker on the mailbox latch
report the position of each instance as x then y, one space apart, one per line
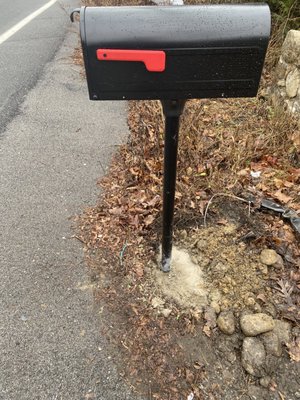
154 60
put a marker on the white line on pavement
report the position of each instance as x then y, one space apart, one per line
6 35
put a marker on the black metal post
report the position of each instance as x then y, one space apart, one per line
172 111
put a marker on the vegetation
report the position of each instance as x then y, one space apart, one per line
231 147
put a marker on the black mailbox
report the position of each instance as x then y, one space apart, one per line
174 52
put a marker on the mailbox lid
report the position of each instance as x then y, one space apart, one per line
211 50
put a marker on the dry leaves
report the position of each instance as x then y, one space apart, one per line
211 155
286 290
282 197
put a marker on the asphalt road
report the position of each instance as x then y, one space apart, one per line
24 55
52 151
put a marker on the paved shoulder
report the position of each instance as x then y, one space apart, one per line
50 159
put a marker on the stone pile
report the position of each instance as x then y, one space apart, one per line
286 90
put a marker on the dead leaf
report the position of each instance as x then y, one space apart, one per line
116 211
155 200
262 187
243 172
148 220
283 198
285 290
278 183
206 330
261 297
222 221
288 184
139 270
189 376
189 170
270 160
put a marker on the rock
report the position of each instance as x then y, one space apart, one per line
265 381
294 105
279 263
286 91
246 311
272 343
292 83
283 331
268 257
225 322
250 301
253 356
256 393
166 312
257 308
269 308
263 269
231 357
255 324
220 269
291 48
281 69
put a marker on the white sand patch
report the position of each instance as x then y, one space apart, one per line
184 283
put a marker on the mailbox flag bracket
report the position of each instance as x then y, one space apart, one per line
154 60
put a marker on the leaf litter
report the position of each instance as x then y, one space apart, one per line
122 236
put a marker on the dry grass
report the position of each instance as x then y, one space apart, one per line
218 140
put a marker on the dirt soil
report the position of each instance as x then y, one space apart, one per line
184 283
167 348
